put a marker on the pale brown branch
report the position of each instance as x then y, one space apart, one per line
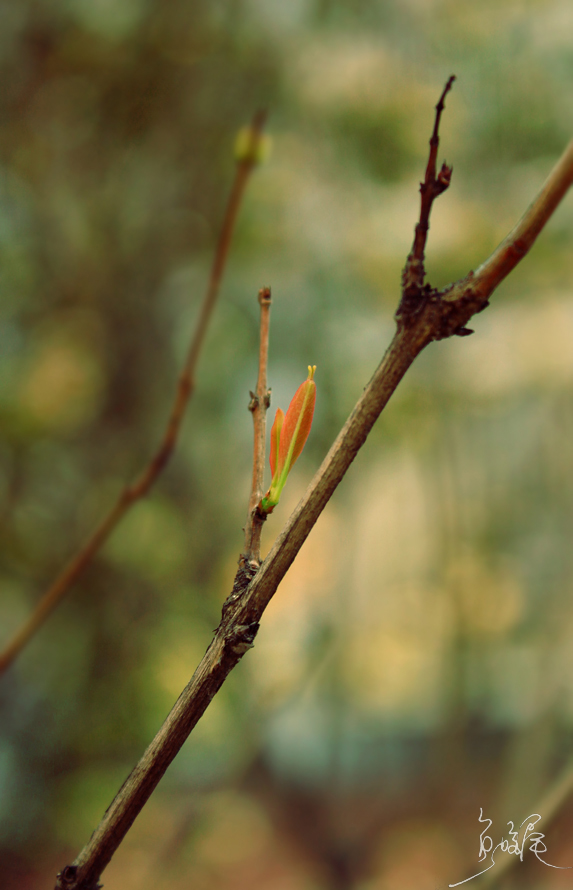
260 402
437 316
185 387
513 248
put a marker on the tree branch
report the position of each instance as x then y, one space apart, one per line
434 316
432 186
260 402
185 388
513 248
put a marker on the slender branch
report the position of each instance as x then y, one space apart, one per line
185 388
432 186
438 316
260 402
250 558
513 248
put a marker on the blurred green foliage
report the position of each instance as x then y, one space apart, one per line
415 664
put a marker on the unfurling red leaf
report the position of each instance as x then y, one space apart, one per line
297 422
288 436
275 438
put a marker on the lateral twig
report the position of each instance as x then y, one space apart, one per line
185 388
250 558
260 402
439 315
432 186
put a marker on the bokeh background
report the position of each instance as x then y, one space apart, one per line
417 662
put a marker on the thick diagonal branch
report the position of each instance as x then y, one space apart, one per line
185 386
440 315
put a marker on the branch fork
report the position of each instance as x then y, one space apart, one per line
424 314
435 314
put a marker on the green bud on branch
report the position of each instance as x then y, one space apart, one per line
251 147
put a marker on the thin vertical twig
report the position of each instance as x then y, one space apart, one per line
185 388
430 188
259 404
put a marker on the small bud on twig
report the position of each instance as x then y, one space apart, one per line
251 147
